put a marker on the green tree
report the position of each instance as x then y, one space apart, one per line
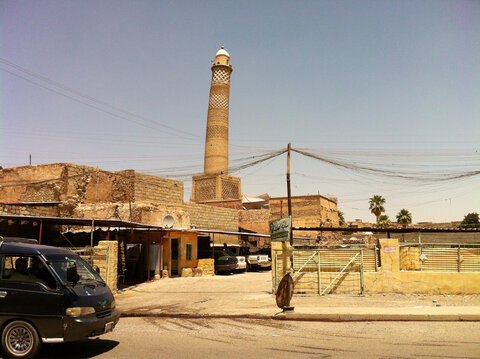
341 218
383 221
404 217
471 220
376 205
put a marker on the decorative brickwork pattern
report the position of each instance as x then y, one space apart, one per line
218 101
215 131
230 189
221 76
205 189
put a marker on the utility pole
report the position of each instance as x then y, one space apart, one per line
289 192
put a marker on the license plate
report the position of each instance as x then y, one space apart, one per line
109 327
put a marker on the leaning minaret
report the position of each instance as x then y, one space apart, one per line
216 141
215 186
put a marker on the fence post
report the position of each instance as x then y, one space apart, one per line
458 258
361 273
319 274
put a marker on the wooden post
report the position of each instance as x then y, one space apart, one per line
289 192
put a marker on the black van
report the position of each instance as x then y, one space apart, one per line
49 295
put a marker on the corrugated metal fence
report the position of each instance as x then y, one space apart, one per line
440 257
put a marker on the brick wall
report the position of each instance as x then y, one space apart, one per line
255 220
307 211
157 190
211 217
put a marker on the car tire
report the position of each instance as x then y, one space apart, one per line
20 340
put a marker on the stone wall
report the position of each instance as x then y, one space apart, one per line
19 210
106 258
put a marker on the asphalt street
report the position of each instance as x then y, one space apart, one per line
241 338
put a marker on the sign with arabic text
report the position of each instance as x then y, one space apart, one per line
280 229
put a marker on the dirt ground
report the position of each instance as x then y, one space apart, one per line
251 293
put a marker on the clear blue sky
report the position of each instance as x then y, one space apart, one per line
398 81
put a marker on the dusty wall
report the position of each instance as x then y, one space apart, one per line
389 278
255 220
308 211
158 190
88 192
106 258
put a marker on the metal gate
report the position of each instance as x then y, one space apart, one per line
328 270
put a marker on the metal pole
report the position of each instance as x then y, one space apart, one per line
91 241
148 256
213 245
319 274
40 233
362 279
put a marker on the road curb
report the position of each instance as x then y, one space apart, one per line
331 317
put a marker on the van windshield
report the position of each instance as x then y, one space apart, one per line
60 262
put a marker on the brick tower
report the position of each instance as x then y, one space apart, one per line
215 186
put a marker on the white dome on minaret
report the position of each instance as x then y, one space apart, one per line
222 51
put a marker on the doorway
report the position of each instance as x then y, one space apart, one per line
174 256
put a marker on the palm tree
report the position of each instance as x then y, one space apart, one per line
383 221
404 217
376 205
341 218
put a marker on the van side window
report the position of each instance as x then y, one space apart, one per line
27 269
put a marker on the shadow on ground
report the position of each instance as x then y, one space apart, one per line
77 350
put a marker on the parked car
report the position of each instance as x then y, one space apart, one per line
241 263
253 260
49 295
224 261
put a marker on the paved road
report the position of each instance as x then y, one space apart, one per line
227 338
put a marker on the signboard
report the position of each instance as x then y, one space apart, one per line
389 249
280 229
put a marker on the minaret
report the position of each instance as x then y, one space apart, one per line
216 141
215 186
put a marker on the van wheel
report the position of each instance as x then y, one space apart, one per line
20 340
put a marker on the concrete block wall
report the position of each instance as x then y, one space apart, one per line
106 258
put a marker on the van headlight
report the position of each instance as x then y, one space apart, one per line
78 311
113 304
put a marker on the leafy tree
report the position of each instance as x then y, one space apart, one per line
404 217
471 220
376 205
341 218
383 220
